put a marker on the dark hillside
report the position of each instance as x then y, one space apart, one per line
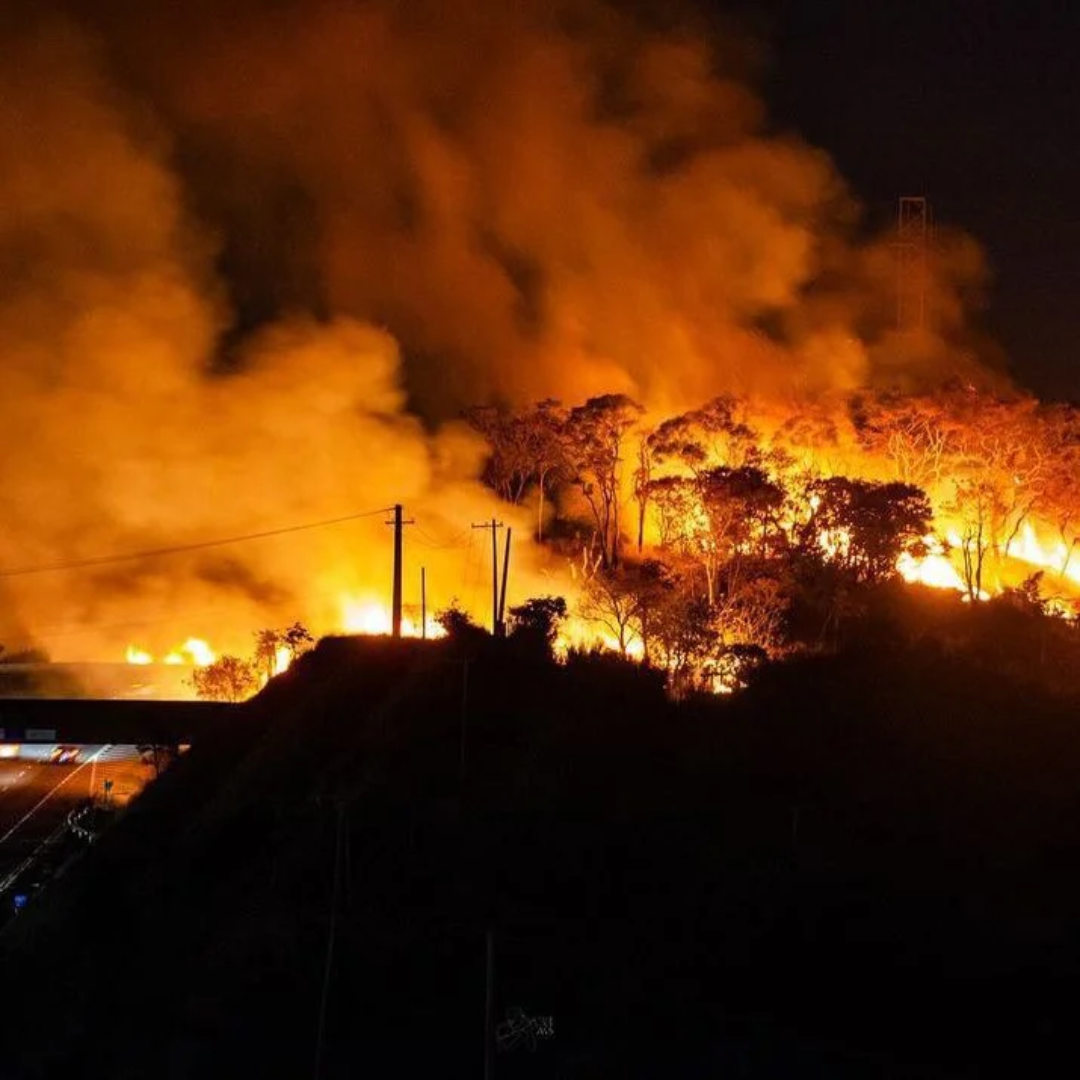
860 867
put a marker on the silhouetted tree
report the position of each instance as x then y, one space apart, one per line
609 600
1027 596
866 526
686 641
297 639
460 628
651 585
536 622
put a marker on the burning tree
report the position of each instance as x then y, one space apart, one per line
743 506
1060 495
717 434
595 436
686 641
267 645
610 601
717 515
977 507
751 611
229 678
276 650
628 602
528 447
743 519
866 526
920 437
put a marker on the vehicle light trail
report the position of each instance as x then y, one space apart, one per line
48 795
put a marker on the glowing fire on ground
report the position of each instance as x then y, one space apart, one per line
369 616
358 616
194 652
1056 559
578 633
282 660
933 569
938 569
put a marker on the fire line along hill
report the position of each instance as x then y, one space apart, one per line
861 866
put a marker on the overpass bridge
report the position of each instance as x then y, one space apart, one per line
90 721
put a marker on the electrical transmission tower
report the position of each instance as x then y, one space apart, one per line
912 263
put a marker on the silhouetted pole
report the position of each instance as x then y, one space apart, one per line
494 579
395 617
464 716
489 1008
423 602
494 526
502 592
324 997
395 604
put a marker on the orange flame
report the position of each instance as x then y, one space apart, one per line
194 652
368 616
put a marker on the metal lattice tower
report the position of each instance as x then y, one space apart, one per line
912 257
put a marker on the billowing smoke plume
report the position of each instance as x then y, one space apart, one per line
252 253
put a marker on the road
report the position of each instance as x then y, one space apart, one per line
36 796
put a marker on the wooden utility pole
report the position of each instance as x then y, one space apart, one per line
502 592
423 602
395 604
494 526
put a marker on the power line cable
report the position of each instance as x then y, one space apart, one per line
154 553
456 541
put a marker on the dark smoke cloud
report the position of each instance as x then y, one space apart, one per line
252 252
534 198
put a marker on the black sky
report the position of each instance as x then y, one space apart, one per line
975 105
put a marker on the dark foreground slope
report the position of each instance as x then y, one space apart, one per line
864 867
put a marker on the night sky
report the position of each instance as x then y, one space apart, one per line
974 105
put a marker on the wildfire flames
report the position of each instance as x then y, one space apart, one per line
194 652
373 617
357 617
725 495
264 258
